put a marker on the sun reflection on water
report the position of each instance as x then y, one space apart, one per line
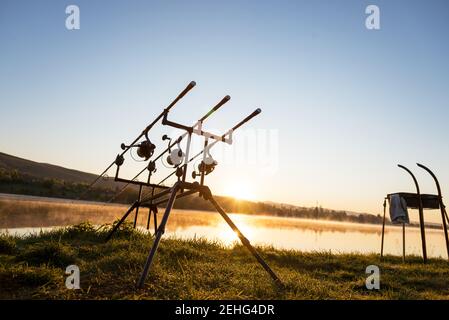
229 237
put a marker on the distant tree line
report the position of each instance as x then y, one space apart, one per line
242 206
12 181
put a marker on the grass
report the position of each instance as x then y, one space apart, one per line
34 268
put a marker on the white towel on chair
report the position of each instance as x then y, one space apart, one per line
398 209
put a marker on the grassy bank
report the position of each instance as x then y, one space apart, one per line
33 267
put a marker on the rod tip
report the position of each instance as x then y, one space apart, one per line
227 97
192 84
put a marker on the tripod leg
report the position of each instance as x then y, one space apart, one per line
135 217
150 209
149 219
155 221
244 240
135 204
160 232
137 209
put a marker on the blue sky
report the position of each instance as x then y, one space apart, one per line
348 103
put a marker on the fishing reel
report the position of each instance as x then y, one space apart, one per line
176 156
145 149
206 166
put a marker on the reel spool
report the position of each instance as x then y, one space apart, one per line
145 149
176 156
207 166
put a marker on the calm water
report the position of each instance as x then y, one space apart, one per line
29 215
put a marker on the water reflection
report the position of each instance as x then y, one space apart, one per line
309 235
25 216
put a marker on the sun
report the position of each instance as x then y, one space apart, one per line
241 190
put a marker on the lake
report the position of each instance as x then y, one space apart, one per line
23 215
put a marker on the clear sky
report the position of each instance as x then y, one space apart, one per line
345 104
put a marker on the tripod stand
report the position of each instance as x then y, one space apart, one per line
181 188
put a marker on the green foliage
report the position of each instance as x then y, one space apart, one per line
7 244
15 182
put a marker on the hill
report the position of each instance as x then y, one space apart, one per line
40 170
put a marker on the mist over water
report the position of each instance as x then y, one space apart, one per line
24 215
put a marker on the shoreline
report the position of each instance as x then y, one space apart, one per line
30 198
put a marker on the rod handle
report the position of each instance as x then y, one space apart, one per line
182 94
216 107
252 115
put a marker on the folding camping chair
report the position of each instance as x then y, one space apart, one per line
419 201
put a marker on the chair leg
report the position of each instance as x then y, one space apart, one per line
383 230
444 217
403 242
423 231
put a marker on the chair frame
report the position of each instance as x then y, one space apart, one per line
421 207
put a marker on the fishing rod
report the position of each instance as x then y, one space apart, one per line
171 145
208 165
146 145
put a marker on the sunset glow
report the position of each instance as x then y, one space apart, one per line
241 190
